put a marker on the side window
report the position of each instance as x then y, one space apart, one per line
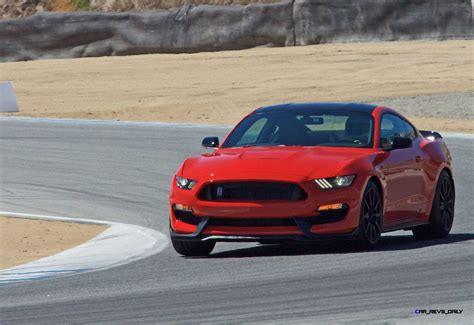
408 130
392 126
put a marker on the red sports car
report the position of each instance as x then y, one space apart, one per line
313 171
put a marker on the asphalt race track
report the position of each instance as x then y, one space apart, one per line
121 172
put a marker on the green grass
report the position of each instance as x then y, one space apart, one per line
81 4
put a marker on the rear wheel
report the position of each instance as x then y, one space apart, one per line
370 223
191 248
442 211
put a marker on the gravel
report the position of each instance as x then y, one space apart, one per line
454 105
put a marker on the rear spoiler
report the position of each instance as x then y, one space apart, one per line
431 135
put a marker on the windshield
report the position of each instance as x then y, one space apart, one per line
304 128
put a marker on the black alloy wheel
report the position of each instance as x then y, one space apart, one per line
442 211
446 204
370 224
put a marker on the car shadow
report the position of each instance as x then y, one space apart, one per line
388 243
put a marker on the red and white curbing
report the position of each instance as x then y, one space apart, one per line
117 245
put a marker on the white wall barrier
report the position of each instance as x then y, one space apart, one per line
8 101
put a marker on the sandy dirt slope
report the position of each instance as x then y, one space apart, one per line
219 88
25 240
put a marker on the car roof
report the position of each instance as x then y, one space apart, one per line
354 107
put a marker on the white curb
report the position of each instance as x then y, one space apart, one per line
109 122
119 244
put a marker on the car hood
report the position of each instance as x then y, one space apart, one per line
266 162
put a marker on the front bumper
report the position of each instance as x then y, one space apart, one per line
262 230
267 221
197 236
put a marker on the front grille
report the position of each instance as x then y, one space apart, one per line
262 222
323 218
252 191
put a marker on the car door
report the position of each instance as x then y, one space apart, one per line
402 171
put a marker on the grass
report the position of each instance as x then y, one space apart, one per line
81 4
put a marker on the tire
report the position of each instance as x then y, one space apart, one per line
371 218
442 211
191 248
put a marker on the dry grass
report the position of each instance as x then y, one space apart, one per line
61 5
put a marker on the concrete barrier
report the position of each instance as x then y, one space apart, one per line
326 21
188 29
215 28
8 101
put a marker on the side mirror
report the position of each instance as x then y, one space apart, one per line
210 142
401 143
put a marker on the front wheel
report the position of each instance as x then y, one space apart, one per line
191 248
370 223
442 211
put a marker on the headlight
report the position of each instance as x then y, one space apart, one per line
185 183
334 182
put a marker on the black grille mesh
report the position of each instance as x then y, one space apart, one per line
253 191
262 222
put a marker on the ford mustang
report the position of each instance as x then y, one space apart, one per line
313 171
